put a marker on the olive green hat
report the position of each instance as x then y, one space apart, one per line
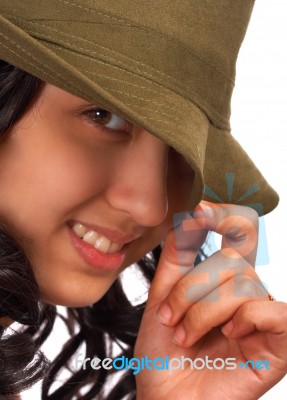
165 65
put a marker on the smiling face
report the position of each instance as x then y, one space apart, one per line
86 194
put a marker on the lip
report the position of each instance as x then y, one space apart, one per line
95 258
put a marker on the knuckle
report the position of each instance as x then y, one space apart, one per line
252 215
248 287
234 261
240 215
246 311
195 318
247 212
180 293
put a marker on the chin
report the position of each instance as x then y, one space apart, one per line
69 298
69 302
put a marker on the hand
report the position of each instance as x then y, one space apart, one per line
219 309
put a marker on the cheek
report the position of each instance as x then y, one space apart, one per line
41 183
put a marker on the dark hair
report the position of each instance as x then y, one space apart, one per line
113 319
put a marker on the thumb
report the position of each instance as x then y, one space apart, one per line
180 249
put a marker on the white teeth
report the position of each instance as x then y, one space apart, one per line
80 230
115 247
103 244
100 242
91 237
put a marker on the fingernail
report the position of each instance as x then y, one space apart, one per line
164 313
179 335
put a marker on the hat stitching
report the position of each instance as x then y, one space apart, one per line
152 118
123 22
224 75
149 109
75 47
139 98
33 65
146 100
132 95
146 30
150 101
20 57
84 95
200 104
108 58
131 84
214 112
42 64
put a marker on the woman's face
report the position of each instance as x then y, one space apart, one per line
86 194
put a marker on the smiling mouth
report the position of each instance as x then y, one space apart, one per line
97 240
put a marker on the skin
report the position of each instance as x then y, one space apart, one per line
231 316
57 165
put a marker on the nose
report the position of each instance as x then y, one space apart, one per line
139 180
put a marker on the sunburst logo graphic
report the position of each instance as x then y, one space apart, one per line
230 180
262 250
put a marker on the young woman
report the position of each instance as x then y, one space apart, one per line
113 116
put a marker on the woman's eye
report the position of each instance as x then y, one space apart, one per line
107 120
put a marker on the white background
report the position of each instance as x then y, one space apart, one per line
259 108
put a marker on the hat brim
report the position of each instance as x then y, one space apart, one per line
220 165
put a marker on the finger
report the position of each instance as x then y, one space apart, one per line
183 244
210 312
267 316
207 277
177 258
238 226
